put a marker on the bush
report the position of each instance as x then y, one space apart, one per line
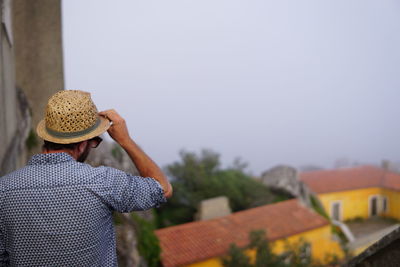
295 255
199 177
148 243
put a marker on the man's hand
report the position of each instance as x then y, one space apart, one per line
118 129
145 165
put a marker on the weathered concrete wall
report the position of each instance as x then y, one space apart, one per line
31 69
8 117
15 151
12 122
38 52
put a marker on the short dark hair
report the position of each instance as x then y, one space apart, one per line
55 146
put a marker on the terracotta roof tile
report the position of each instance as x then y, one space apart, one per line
327 181
197 241
391 181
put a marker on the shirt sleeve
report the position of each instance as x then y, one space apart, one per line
125 192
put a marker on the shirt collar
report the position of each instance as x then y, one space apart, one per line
50 158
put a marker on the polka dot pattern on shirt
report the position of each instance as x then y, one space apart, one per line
58 212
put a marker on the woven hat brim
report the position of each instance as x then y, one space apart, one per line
100 129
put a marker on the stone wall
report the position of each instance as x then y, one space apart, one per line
285 178
11 116
38 53
15 151
31 69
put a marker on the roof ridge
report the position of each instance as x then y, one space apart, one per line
387 180
234 214
358 177
342 169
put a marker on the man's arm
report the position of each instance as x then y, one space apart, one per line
145 165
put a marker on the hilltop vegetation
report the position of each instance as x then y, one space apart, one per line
200 176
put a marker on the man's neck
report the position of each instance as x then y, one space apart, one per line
70 152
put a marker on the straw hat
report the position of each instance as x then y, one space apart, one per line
71 117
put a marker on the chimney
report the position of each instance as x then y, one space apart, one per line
385 164
213 208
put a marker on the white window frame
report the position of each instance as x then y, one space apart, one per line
340 202
378 205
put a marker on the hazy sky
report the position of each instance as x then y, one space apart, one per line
293 82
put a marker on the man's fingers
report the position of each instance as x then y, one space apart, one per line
106 112
112 115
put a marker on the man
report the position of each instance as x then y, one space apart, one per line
57 211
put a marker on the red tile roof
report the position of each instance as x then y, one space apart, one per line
391 181
327 181
197 241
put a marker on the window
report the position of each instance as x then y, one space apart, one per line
373 206
336 210
384 204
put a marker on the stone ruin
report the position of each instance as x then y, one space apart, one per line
285 179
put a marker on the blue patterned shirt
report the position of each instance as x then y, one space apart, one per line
58 212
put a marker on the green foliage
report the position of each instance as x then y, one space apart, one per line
298 254
199 177
264 255
343 245
148 243
117 218
282 196
31 140
117 152
318 207
295 255
236 258
357 219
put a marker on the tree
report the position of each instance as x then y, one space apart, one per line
198 177
295 255
236 258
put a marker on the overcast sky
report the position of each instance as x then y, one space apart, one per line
273 82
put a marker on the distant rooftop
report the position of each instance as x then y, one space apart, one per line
197 241
327 181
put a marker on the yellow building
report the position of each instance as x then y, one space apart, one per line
345 194
203 243
359 192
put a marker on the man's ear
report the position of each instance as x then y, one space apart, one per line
82 146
